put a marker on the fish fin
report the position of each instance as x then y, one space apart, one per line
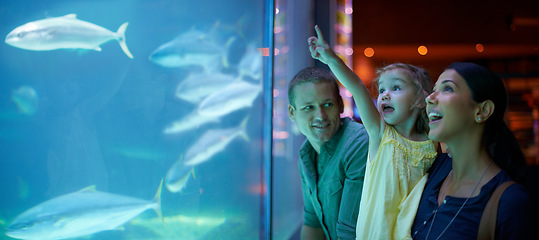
97 49
71 15
157 199
88 189
243 126
224 57
121 39
224 61
59 223
240 24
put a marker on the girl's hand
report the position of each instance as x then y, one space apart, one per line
319 48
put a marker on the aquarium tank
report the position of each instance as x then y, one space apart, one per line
142 119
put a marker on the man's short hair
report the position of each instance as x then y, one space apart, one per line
313 75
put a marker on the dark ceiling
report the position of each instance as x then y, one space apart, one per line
449 29
443 22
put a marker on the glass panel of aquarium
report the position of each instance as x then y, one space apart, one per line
134 119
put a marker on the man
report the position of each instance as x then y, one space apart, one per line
332 160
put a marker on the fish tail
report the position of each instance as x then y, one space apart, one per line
121 39
157 199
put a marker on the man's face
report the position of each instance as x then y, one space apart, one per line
316 112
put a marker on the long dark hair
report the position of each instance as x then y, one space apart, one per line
497 138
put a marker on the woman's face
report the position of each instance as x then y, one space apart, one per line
450 108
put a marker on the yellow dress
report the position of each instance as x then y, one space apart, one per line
399 165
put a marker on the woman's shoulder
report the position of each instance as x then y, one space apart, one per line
515 216
515 196
514 200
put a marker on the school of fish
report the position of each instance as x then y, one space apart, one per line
212 92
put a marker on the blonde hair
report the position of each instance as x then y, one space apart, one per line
422 81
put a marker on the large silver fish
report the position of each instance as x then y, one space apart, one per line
80 213
235 96
213 142
197 86
66 32
251 64
192 48
189 122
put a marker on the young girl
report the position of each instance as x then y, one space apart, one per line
400 152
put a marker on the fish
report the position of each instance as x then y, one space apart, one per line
65 32
197 86
192 48
137 152
80 213
212 142
238 95
251 63
26 99
189 122
178 175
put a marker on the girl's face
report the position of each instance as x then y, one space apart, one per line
450 108
397 98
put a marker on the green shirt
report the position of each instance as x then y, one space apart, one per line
332 188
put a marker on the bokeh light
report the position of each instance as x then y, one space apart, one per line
369 52
422 50
479 47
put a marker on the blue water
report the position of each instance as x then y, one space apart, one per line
97 118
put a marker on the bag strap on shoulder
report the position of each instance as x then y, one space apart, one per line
487 225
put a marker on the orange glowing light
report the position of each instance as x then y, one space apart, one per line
369 52
422 50
479 47
264 51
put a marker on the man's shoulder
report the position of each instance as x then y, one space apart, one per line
354 143
354 135
354 129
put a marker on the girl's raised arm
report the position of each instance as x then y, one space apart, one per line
367 109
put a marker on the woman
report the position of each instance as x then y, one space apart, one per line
466 113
